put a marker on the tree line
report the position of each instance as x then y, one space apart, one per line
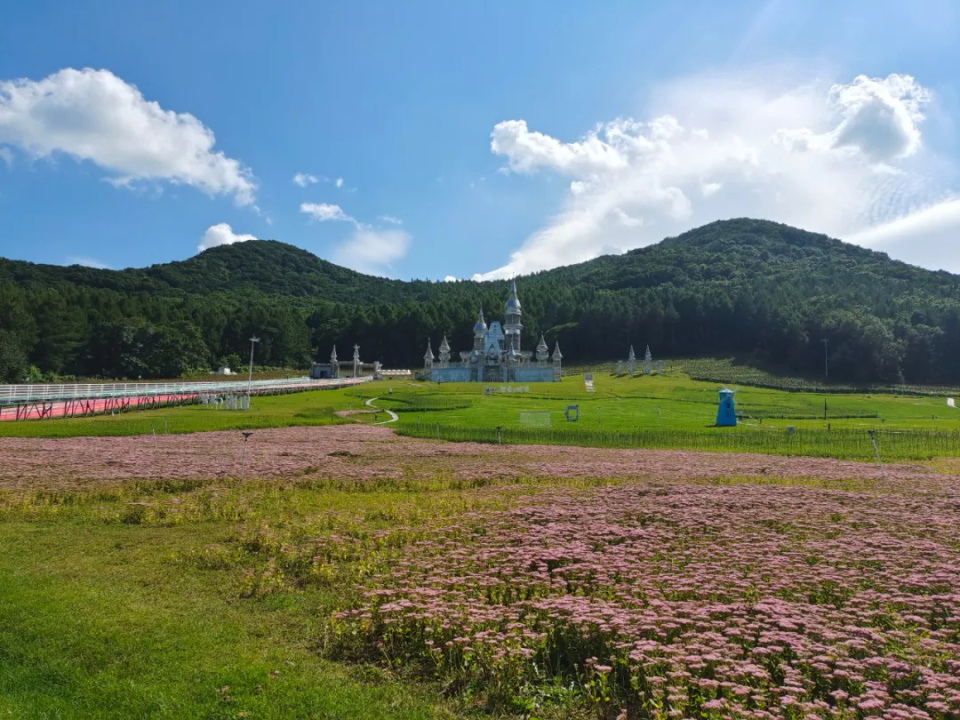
742 287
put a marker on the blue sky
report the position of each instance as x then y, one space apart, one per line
438 139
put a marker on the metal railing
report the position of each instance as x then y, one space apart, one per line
18 394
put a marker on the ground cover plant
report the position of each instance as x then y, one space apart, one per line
360 574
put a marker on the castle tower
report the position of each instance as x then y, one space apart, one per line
513 324
444 352
557 357
356 361
428 357
334 364
480 333
542 351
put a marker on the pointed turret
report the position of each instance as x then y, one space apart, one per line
481 326
513 318
428 357
444 352
557 355
543 352
479 333
333 355
632 355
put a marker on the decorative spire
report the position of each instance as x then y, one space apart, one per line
632 355
513 303
481 326
333 355
557 355
428 355
444 346
542 345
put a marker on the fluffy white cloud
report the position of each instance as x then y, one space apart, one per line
221 234
390 219
450 278
94 115
372 251
304 179
837 159
325 211
338 182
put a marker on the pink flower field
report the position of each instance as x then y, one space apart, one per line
644 584
357 452
671 600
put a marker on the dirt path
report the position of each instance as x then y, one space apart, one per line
363 452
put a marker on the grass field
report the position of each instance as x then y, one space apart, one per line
670 411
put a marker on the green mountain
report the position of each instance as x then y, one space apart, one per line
745 287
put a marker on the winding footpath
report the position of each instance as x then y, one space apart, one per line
393 416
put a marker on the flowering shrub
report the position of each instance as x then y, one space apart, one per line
668 600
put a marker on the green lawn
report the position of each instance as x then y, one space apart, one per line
105 619
669 410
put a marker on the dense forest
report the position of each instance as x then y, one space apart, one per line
744 287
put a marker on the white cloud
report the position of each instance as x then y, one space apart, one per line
837 159
6 156
925 237
338 182
390 219
87 262
304 179
372 251
325 211
450 278
94 115
221 234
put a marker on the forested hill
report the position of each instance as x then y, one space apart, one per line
738 286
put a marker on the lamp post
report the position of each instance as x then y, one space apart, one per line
253 341
826 366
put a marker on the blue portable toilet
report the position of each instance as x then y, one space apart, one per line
726 413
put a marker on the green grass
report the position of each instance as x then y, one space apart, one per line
310 408
207 602
102 617
671 410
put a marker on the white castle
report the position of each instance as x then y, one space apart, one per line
496 355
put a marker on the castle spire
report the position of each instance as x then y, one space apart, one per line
333 355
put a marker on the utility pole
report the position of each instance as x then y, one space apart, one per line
253 341
826 365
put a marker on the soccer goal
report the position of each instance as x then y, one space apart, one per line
536 419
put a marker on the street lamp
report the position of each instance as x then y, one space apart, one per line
253 341
826 366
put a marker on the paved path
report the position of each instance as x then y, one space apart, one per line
393 416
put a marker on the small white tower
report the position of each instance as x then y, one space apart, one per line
557 357
480 334
428 357
542 351
512 321
444 352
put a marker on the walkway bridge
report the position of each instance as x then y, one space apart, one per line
34 402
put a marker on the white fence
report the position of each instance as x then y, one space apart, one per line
18 394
